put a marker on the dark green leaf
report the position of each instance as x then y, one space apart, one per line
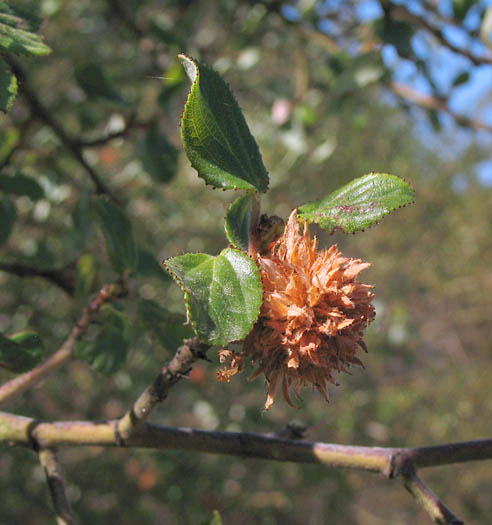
397 33
215 135
238 221
8 87
17 35
118 233
8 214
96 85
169 328
359 204
20 184
461 8
21 352
223 294
107 353
462 78
159 156
148 266
82 217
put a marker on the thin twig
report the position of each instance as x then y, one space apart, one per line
62 277
436 509
56 484
155 393
42 113
22 382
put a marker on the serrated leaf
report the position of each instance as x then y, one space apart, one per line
17 31
159 156
21 352
118 233
215 135
148 266
359 204
20 184
108 352
8 214
96 84
238 221
8 87
169 328
223 294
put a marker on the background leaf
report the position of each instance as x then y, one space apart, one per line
215 135
359 204
8 87
20 184
148 266
223 294
17 31
96 84
159 156
8 214
169 328
21 352
238 221
118 233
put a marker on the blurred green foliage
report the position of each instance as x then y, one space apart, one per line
320 122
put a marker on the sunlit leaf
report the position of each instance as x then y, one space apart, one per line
17 31
359 204
215 135
223 294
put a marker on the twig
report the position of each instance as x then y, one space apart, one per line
62 277
170 374
42 113
430 102
400 12
436 509
20 383
56 484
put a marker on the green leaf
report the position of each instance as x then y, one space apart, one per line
21 352
359 204
8 87
118 233
159 156
96 84
215 135
82 217
223 294
462 78
238 221
461 8
107 353
8 215
85 275
20 184
17 31
169 328
148 266
397 33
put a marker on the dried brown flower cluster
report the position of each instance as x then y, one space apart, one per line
313 316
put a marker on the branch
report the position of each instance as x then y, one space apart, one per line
15 386
430 102
390 462
62 277
436 509
56 484
400 12
178 367
42 113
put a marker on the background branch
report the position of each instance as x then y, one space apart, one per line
56 484
20 383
